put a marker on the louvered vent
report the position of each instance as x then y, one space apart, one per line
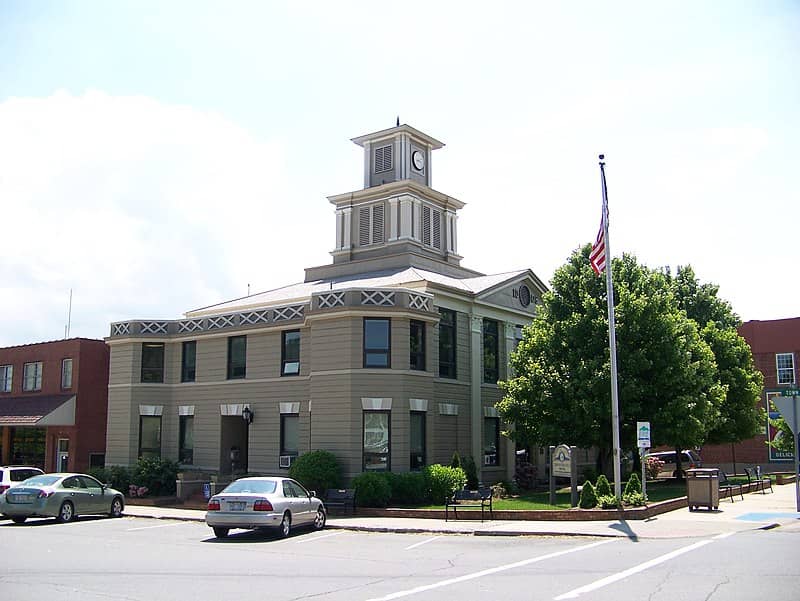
437 228
426 225
363 226
377 223
383 159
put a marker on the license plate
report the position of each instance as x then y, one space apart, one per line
20 498
237 505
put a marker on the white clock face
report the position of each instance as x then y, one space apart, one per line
418 159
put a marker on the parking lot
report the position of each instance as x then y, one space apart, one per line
143 559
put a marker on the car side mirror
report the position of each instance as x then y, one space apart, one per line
312 493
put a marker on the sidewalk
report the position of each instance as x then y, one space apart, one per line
756 511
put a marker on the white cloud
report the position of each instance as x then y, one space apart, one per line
143 209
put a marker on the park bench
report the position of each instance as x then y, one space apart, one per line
341 498
475 499
757 481
728 487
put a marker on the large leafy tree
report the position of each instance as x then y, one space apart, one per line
740 417
561 391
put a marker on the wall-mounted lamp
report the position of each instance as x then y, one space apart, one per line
247 415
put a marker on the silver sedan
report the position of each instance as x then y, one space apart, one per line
62 496
264 502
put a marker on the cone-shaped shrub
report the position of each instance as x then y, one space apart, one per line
634 485
603 488
588 496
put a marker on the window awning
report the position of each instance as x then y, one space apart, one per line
45 410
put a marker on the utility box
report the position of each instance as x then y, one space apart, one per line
702 488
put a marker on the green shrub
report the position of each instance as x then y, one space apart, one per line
441 482
633 498
471 471
607 501
317 470
372 489
602 487
634 485
588 498
116 476
525 475
456 460
408 488
156 474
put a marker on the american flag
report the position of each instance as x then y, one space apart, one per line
598 255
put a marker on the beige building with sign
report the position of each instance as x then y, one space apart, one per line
388 357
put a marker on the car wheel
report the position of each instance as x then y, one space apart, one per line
66 512
319 520
19 519
286 525
116 508
220 532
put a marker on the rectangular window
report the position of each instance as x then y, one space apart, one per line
6 377
377 441
490 352
491 441
149 436
32 376
785 363
152 362
66 373
447 343
186 440
290 424
189 361
417 440
237 357
417 335
377 342
290 353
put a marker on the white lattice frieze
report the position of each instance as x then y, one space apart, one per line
417 301
220 321
190 325
331 299
120 329
153 327
253 317
377 297
286 313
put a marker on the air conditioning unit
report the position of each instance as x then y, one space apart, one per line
285 461
488 460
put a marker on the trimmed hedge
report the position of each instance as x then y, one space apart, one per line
317 470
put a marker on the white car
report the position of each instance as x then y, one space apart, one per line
12 475
264 502
689 460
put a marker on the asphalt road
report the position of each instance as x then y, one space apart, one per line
134 559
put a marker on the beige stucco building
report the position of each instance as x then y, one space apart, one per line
388 357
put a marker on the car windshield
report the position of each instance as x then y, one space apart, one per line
257 486
41 481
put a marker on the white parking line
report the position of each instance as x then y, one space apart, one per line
311 540
159 526
573 594
510 566
425 542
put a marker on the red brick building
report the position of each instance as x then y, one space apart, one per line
776 349
53 404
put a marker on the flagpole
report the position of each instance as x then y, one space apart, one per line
612 340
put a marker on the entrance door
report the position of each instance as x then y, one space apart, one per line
62 455
233 445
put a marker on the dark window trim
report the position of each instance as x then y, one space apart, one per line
447 364
237 371
495 421
283 450
153 450
387 352
38 376
388 453
65 385
153 375
424 415
284 360
491 344
417 361
189 373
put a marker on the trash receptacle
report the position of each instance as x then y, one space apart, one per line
702 488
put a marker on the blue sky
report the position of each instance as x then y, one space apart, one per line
156 157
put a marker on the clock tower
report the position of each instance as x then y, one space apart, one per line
397 220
